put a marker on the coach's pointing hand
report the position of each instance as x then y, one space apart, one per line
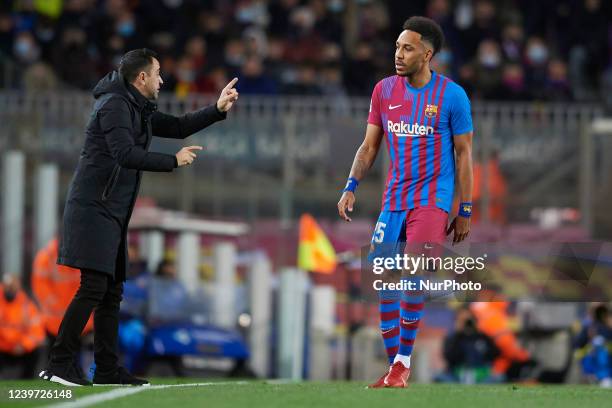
187 155
228 96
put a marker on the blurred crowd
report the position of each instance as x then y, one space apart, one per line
496 49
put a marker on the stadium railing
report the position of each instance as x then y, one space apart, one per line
280 155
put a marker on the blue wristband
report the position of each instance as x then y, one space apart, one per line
351 184
465 209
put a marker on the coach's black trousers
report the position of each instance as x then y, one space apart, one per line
102 295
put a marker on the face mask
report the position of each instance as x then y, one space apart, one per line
26 51
126 29
490 60
23 48
9 295
335 6
464 15
537 54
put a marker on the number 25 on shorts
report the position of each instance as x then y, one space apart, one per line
379 232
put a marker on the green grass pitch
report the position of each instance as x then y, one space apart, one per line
271 394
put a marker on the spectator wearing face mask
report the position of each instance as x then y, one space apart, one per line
21 328
186 76
25 48
536 61
284 34
487 70
126 26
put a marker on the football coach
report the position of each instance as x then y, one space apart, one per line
100 201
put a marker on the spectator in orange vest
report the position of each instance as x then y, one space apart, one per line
21 329
53 287
492 319
497 188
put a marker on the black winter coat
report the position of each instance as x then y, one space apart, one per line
105 185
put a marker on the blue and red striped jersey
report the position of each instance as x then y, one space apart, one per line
419 126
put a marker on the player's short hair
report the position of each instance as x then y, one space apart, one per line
134 62
430 30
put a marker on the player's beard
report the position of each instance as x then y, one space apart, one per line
411 70
408 70
403 74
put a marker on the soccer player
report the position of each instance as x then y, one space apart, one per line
426 122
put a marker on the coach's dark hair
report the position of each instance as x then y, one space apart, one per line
429 30
134 62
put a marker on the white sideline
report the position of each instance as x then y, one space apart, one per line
124 392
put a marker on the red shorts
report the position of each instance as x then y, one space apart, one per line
419 228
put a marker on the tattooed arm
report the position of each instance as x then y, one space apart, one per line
364 158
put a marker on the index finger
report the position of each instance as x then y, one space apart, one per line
231 83
194 148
